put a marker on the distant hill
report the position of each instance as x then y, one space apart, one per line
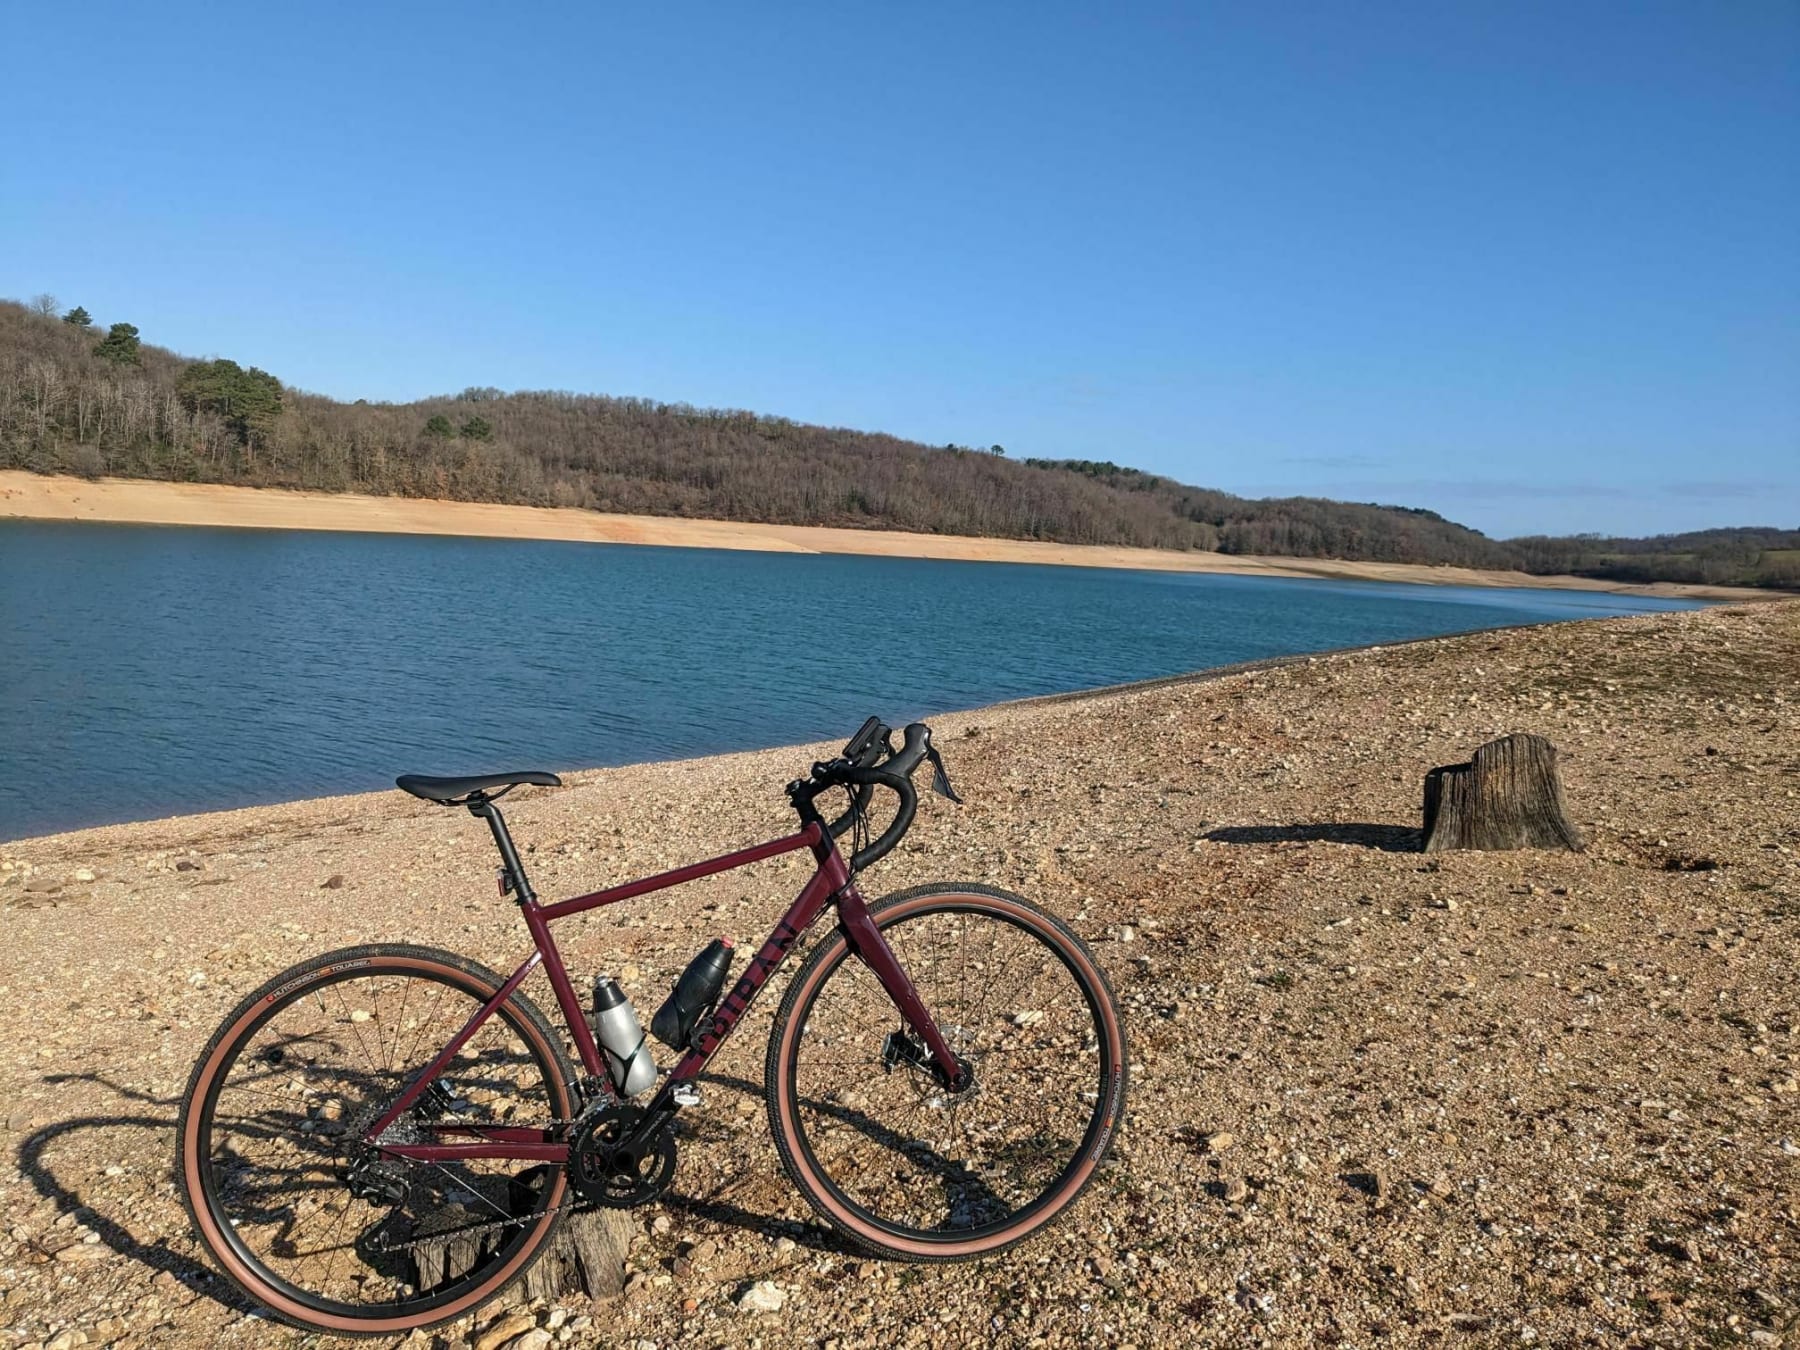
1745 556
76 398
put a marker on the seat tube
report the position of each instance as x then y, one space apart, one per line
509 856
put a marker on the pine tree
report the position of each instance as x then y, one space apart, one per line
248 400
120 345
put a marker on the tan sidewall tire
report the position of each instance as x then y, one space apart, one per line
467 975
783 1035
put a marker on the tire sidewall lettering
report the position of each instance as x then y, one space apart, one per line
312 977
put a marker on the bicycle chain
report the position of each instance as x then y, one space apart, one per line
576 1206
472 1229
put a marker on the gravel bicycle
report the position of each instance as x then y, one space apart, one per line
383 1138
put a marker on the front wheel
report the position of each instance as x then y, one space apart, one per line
867 1130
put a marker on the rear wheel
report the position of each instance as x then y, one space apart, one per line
880 1146
317 1226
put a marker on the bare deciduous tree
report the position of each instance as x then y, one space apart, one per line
63 407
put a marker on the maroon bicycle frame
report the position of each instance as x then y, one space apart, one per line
832 882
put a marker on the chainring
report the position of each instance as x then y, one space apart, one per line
602 1175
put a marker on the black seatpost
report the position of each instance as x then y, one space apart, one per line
479 805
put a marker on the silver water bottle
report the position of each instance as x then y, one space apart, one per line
621 1040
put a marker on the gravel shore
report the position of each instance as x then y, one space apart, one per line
1377 1097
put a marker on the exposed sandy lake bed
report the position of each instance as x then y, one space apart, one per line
140 502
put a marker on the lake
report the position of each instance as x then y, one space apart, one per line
150 671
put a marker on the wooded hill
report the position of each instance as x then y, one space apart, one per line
75 399
1745 556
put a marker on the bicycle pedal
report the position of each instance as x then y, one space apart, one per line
687 1094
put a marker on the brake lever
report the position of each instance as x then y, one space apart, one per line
940 781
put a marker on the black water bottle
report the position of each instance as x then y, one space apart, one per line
695 992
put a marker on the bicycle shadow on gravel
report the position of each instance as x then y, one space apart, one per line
805 1232
711 1130
37 1164
1387 838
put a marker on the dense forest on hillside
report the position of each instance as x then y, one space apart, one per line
78 399
1744 556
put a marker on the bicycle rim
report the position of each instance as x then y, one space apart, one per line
271 1128
881 1148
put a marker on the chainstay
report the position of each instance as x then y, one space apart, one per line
490 1225
495 1225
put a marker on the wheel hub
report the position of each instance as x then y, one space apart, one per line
902 1049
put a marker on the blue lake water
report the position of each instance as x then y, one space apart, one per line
147 672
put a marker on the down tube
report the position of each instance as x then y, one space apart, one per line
797 920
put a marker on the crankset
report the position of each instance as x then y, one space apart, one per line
606 1170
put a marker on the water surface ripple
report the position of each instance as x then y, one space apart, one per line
148 671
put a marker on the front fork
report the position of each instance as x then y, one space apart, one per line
864 936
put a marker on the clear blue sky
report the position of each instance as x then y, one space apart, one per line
1536 266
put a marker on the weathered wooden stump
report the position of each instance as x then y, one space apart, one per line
1507 796
586 1256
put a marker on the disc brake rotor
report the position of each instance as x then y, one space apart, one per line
905 1052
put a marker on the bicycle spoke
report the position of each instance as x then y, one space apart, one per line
286 1122
399 1024
891 1137
429 1020
351 1022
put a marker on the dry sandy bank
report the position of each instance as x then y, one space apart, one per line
136 502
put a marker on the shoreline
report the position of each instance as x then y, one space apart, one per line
1345 1052
205 821
122 501
801 750
804 749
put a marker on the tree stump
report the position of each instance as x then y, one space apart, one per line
586 1256
1507 796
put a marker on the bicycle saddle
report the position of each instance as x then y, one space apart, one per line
450 791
